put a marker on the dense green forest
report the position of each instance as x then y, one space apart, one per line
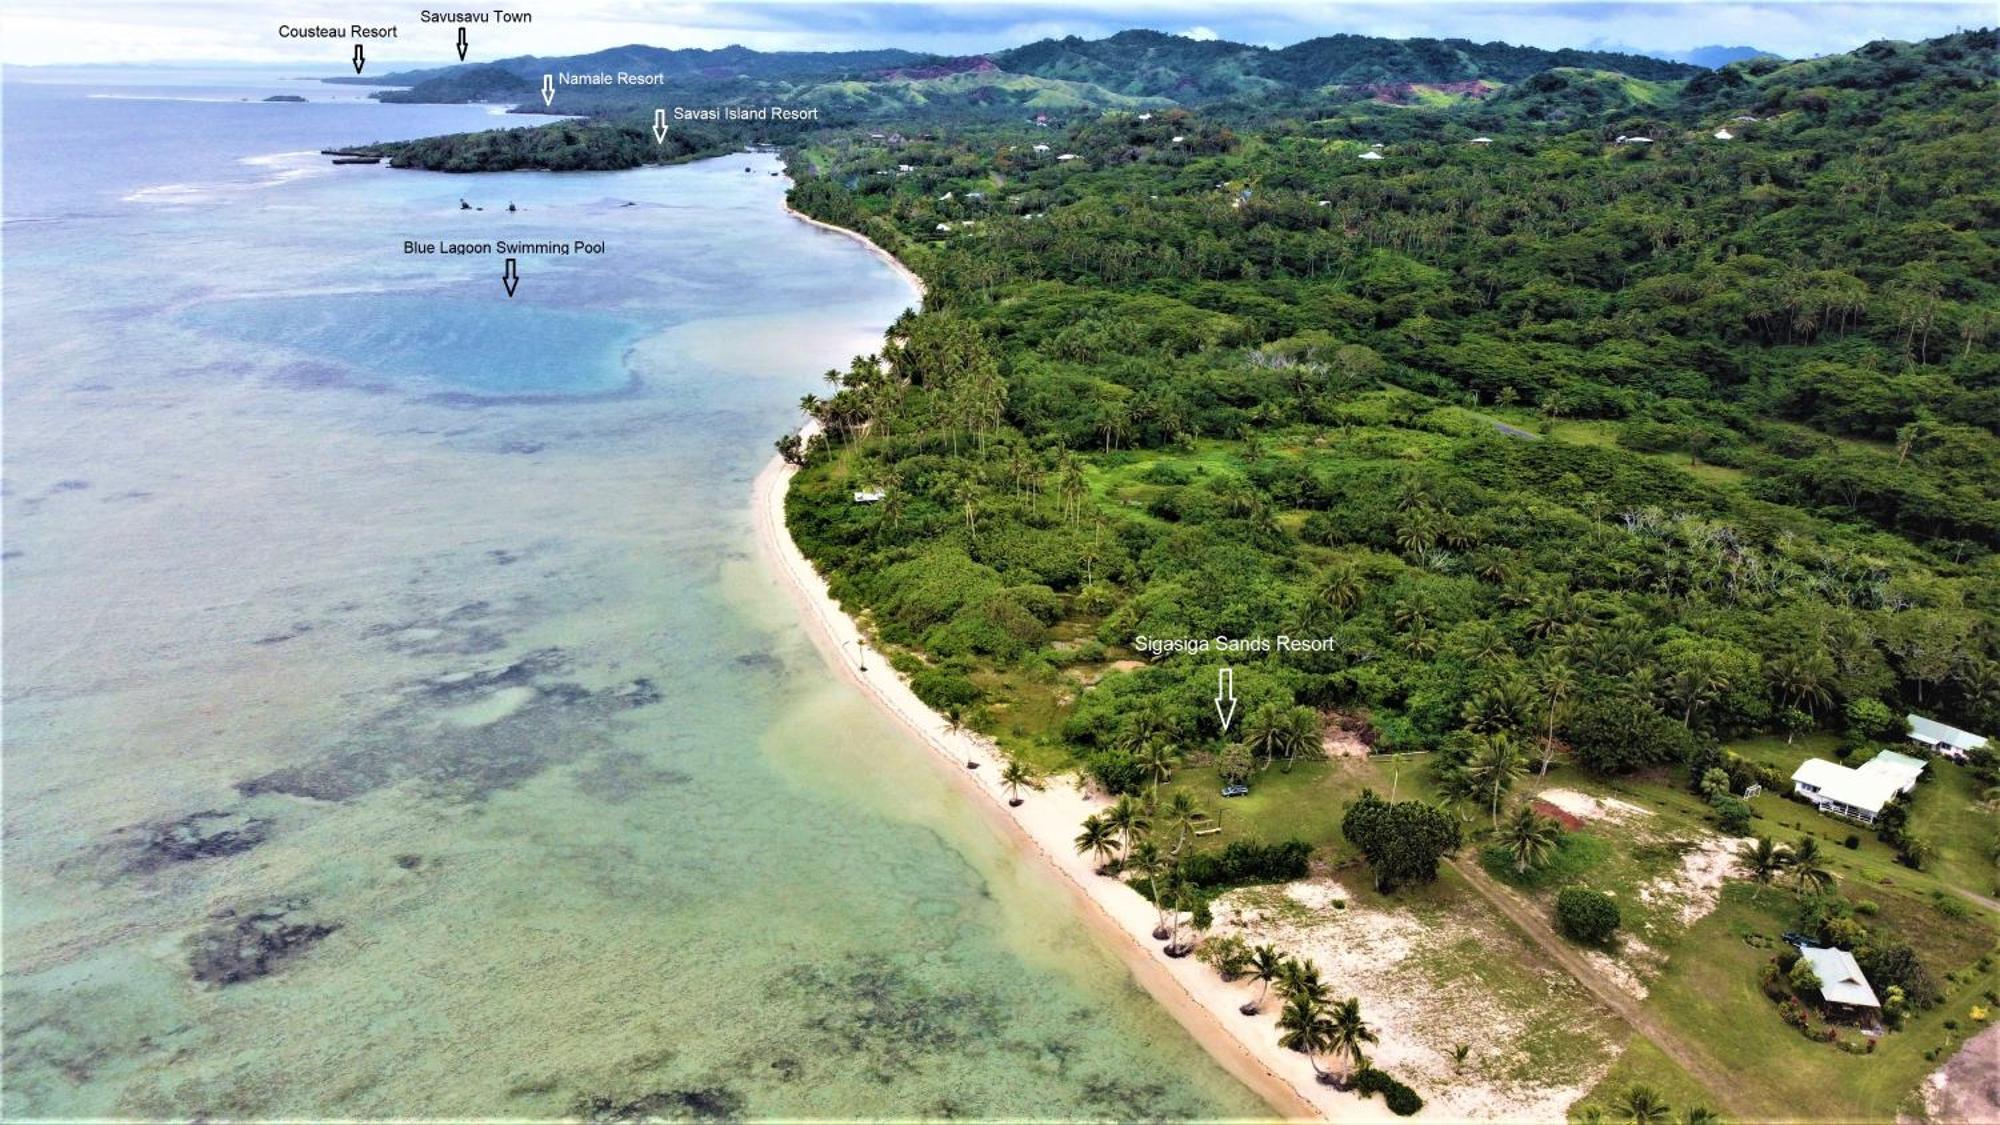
1632 444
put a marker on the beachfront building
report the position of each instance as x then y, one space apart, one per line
1841 982
1939 738
1856 794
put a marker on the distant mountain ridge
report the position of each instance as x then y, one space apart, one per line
1130 69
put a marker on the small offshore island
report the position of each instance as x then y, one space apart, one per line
1624 427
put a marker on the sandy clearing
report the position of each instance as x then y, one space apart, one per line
1585 807
1389 958
1696 886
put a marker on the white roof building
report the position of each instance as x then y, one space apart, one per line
1625 140
1840 979
869 496
1857 794
1481 141
1067 156
1724 135
1942 739
1178 138
1371 155
1041 148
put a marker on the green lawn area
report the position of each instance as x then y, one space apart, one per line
1306 803
1708 993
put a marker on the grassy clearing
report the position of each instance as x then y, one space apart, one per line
1708 993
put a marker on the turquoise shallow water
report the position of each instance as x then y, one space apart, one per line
482 348
397 723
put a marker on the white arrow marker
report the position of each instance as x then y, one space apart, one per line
659 126
548 89
1225 689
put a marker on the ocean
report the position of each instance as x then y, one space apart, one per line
396 719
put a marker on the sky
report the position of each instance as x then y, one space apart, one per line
34 32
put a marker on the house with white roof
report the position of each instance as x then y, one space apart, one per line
1856 794
869 496
1724 135
1625 140
1841 980
1371 155
1481 141
1939 738
1067 156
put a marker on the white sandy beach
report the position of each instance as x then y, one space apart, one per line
1047 822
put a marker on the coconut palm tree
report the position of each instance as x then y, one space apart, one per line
1339 588
1265 965
1019 775
1300 978
1493 768
1147 861
1700 1115
1158 763
1642 1105
1098 840
1764 860
1303 1027
1531 839
1178 817
1556 677
1808 865
1347 1032
1128 817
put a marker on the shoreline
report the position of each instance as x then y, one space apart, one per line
1194 994
1047 820
892 261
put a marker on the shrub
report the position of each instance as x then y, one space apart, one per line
1226 954
1116 772
1732 815
1245 861
1401 1100
945 691
1587 916
1852 842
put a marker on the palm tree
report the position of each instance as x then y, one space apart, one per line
1128 818
1300 978
1494 767
1304 1028
1158 763
1019 775
1764 860
1178 817
1700 1115
1531 838
1339 588
1347 1033
1806 861
1642 1105
1096 840
1556 677
1266 964
1146 860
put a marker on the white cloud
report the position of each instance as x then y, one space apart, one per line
61 31
1200 34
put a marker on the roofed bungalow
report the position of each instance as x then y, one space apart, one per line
1371 155
1841 983
1480 141
1625 140
1939 738
1724 135
869 496
1856 794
